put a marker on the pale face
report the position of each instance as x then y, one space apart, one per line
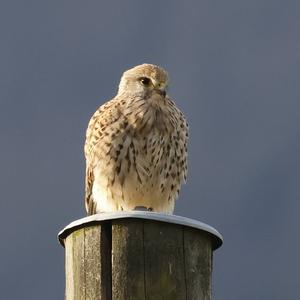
145 81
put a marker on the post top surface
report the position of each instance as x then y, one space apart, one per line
146 215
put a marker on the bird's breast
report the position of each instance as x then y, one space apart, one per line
149 118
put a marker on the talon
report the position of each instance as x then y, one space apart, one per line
140 208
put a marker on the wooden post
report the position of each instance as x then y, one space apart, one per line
138 255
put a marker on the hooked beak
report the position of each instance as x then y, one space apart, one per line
160 88
161 92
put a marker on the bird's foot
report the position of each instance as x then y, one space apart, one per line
140 208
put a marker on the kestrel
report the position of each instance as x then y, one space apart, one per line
136 147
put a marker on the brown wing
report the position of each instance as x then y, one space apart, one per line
96 144
90 205
89 155
180 137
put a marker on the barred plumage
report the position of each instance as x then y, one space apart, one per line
136 146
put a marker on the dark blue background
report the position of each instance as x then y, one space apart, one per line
234 68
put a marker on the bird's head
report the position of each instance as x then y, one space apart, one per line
146 81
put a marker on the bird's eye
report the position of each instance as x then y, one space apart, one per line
145 81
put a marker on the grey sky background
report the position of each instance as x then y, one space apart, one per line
234 68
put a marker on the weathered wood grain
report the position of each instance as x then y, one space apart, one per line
75 272
105 258
138 259
127 260
164 261
198 264
88 263
92 263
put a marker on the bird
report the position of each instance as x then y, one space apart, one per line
136 147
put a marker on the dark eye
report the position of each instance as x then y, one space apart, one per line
145 80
